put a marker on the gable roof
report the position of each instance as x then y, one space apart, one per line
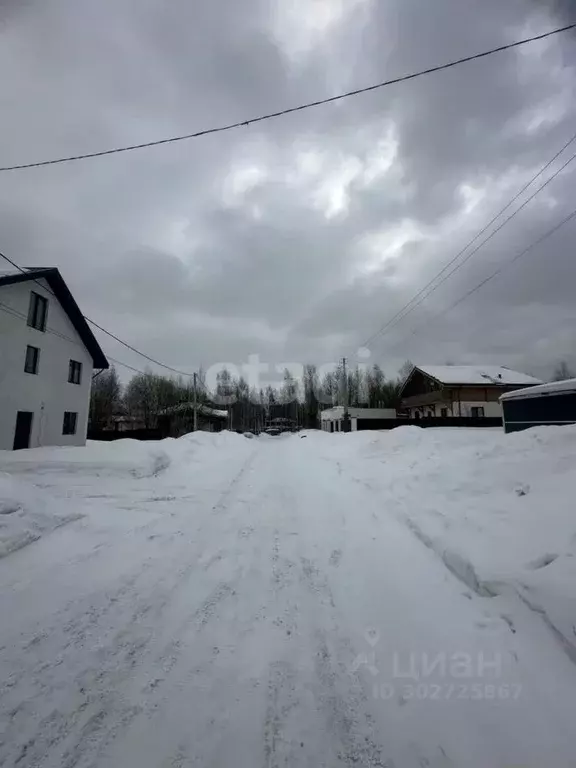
61 291
485 375
474 375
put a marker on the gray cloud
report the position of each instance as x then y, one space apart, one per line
299 237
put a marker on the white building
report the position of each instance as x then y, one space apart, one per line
331 419
472 391
47 355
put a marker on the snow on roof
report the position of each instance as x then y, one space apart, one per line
553 388
477 374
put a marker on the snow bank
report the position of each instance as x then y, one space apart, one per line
42 488
120 457
26 514
497 509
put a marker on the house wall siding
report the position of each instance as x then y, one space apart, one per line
48 394
458 408
490 408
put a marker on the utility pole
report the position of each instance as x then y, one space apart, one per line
346 425
195 402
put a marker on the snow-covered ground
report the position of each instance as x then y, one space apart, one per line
375 599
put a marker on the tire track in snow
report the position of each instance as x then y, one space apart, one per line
458 565
340 703
282 698
222 502
344 705
93 712
464 571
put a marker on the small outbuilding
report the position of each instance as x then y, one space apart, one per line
332 419
546 404
178 420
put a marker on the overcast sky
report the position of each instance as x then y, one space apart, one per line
297 238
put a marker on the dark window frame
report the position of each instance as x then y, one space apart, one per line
38 311
32 365
444 413
477 411
74 372
70 423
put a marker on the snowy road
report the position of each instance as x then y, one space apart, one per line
273 612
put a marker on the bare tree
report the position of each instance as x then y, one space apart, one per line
375 381
406 370
270 396
225 387
289 391
329 389
141 399
310 382
105 399
148 394
563 372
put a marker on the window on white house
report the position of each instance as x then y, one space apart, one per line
32 359
477 411
37 311
75 372
444 412
70 421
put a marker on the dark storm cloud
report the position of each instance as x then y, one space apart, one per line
296 238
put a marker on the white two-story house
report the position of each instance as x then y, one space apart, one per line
47 356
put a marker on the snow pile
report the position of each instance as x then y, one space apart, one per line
120 458
42 488
497 509
26 514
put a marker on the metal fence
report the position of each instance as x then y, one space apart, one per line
431 421
362 424
108 435
525 412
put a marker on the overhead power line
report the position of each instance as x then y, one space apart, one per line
444 274
496 272
21 316
133 349
125 365
100 328
290 110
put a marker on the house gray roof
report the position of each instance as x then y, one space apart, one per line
61 291
484 375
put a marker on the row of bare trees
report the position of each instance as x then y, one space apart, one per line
300 399
140 401
147 394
